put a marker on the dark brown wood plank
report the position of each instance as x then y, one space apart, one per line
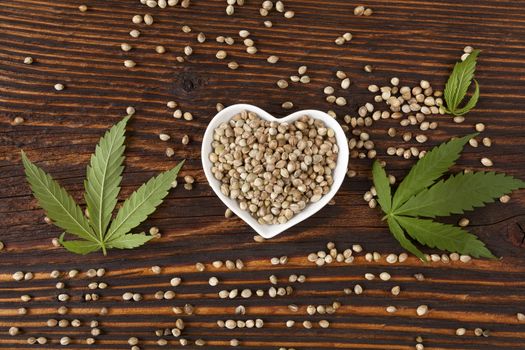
412 40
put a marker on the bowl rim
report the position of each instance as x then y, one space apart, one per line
265 230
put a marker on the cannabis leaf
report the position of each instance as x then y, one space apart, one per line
459 193
457 86
142 203
430 168
422 195
104 174
102 184
59 205
445 237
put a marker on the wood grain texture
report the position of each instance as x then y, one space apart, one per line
410 39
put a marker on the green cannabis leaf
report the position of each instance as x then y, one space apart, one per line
458 84
102 185
422 195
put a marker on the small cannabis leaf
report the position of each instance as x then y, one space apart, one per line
422 195
102 184
457 86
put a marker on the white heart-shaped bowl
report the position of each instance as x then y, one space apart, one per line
269 231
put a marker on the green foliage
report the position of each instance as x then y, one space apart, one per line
421 195
102 185
458 84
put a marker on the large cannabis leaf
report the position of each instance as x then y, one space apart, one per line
419 197
102 184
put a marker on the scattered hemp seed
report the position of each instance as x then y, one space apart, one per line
345 84
339 40
463 222
82 8
130 110
18 276
177 114
396 290
480 127
17 121
422 310
282 84
520 316
368 68
137 19
384 276
134 33
160 49
41 340
504 199
461 331
287 105
305 79
164 137
324 324
125 47
359 10
391 309
272 59
129 63
59 87
221 54
486 162
259 239
233 65
391 258
28 60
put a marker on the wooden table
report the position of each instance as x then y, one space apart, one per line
412 40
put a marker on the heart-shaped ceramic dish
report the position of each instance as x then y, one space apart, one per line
268 231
